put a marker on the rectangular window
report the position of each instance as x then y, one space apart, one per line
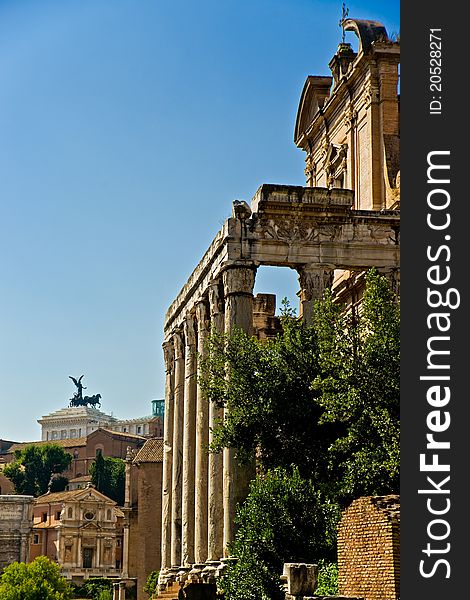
63 434
36 538
44 517
57 515
139 429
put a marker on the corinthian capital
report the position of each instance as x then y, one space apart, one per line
313 281
239 280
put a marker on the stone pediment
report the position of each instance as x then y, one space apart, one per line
93 495
90 526
316 91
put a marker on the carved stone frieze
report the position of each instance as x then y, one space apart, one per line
297 229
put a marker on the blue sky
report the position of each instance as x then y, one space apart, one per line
127 127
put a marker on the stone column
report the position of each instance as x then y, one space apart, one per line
176 474
189 439
202 442
168 353
216 503
238 290
313 281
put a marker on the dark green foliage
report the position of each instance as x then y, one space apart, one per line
323 397
38 580
33 467
359 389
96 588
151 585
283 519
327 583
108 475
267 389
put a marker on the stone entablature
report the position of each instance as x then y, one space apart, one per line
73 422
16 521
81 530
296 227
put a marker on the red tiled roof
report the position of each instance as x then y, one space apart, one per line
151 451
67 443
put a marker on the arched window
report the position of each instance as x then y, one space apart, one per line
70 512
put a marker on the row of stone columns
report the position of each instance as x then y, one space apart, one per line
200 490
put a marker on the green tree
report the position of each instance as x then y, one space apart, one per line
360 389
33 467
151 585
272 407
108 475
38 580
283 519
323 397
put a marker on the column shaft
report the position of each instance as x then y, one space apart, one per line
189 440
216 502
238 290
202 442
168 351
176 476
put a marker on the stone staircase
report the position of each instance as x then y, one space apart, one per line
171 593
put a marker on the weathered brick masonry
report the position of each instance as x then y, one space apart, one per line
369 548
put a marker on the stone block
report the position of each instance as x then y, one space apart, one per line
301 578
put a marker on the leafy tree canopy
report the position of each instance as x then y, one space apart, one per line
283 519
323 397
33 467
38 580
108 475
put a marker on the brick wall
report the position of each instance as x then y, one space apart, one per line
150 519
368 548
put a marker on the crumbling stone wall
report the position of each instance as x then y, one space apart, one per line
16 523
369 548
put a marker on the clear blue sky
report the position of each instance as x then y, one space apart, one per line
127 127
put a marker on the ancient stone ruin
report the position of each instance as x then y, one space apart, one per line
343 222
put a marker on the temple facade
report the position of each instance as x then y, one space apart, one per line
344 221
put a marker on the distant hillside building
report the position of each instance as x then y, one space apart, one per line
75 422
84 450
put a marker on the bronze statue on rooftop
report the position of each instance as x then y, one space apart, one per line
79 400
